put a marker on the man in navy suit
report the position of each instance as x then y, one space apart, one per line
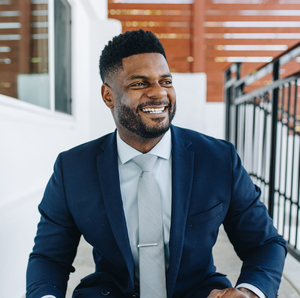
202 184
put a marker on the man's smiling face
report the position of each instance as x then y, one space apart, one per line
144 100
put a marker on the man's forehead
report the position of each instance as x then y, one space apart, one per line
141 64
143 57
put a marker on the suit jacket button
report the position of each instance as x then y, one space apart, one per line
105 293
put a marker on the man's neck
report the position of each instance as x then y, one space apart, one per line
143 145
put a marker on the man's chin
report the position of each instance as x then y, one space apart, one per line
153 132
142 126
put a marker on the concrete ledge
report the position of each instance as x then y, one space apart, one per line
291 273
226 262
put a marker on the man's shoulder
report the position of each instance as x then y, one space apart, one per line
91 148
199 140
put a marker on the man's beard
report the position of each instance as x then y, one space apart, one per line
131 120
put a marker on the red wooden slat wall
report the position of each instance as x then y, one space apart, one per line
275 11
164 19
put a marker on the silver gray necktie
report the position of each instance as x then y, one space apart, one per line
151 244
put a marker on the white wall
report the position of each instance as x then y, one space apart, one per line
193 111
100 118
31 137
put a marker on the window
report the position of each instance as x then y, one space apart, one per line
34 66
62 13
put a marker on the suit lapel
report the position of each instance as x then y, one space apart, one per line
182 177
107 164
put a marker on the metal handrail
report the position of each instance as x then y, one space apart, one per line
271 126
246 97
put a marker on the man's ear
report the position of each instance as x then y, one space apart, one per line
107 95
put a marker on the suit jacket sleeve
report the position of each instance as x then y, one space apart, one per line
56 242
251 231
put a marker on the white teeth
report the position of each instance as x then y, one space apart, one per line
155 111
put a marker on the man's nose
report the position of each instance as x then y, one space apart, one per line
156 91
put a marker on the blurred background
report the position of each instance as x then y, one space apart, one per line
50 95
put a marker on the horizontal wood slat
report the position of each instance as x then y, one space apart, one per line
9 31
142 18
11 7
6 68
8 76
223 30
214 53
227 41
4 19
160 29
38 6
252 18
274 5
10 55
150 6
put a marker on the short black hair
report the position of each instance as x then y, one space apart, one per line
125 45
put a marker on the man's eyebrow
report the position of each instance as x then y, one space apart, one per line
168 75
133 77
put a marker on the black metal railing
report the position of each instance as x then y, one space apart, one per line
264 126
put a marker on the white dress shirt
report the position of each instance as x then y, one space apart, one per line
129 173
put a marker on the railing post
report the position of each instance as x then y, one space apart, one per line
238 76
237 93
227 92
273 140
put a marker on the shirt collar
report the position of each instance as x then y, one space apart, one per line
162 149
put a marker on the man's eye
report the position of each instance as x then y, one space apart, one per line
139 84
167 83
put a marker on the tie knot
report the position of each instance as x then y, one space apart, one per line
145 161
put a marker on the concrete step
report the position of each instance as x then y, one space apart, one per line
228 263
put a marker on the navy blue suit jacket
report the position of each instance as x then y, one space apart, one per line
209 187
